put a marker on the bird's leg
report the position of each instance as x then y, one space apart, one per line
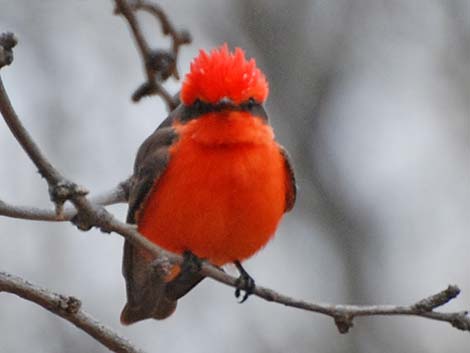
191 263
187 278
244 283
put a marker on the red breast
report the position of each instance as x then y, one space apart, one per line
223 192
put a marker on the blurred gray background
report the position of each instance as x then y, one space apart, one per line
370 97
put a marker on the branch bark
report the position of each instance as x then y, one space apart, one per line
343 315
68 308
159 64
119 194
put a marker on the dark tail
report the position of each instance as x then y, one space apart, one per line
148 295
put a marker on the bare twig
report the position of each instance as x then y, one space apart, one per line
179 38
117 195
159 64
343 315
46 170
59 189
7 43
69 308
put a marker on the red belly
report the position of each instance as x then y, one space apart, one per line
221 202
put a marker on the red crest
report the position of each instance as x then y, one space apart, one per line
223 74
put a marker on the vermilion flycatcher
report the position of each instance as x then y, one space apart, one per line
210 181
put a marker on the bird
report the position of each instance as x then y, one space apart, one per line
211 183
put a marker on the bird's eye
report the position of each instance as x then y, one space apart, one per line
251 103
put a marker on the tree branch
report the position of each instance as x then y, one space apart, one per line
59 189
159 64
179 38
47 171
68 308
343 315
7 42
117 195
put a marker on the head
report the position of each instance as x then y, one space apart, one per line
222 77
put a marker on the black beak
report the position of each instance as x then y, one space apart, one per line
225 104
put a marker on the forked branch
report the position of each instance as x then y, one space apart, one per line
119 194
159 64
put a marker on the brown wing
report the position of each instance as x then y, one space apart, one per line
291 187
148 295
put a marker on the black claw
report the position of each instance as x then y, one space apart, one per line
244 283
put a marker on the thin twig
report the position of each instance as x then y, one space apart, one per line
159 64
179 38
69 308
59 189
7 42
119 194
46 170
342 314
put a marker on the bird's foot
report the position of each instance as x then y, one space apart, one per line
244 283
191 263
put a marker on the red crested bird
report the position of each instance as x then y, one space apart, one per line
211 183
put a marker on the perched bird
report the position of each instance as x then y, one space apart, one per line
211 182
